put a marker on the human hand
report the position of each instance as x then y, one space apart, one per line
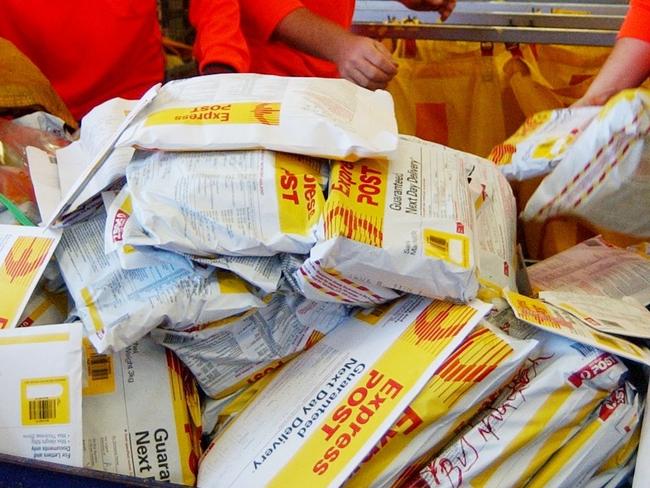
594 99
365 62
444 7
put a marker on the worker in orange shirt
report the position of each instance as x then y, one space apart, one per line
90 51
628 65
296 38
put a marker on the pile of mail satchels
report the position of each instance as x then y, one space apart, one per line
255 281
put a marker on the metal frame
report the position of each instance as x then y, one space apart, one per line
587 23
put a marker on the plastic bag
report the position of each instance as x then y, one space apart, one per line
611 425
122 432
604 176
243 203
484 363
312 116
548 401
406 224
120 306
235 352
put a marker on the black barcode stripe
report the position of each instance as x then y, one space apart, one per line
170 339
99 367
438 242
42 409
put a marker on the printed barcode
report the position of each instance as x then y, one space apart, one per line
170 339
438 243
99 367
42 409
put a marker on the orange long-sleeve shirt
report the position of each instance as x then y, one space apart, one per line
258 22
637 21
90 51
219 38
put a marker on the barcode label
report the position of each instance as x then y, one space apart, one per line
99 367
177 339
99 371
45 400
42 409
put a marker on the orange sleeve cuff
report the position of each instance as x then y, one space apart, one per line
262 22
219 38
637 21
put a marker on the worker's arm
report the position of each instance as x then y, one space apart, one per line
444 7
362 60
628 65
220 46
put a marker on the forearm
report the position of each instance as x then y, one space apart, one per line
312 34
359 59
627 67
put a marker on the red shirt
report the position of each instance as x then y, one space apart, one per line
91 50
258 21
637 21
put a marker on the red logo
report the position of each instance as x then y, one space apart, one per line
609 406
119 222
598 366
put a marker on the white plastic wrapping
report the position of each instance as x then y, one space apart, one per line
321 414
405 224
40 380
548 401
541 142
238 203
604 177
483 364
120 306
140 414
229 354
314 116
611 425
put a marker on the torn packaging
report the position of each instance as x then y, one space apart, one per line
120 306
229 354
